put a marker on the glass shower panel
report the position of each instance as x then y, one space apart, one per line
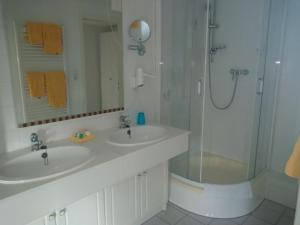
177 27
197 63
277 20
212 52
236 47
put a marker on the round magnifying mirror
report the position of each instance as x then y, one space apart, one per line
139 31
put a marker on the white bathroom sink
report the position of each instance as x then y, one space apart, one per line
31 167
139 135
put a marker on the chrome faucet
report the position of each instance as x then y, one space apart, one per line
36 144
124 122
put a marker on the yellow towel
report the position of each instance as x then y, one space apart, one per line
292 167
34 33
52 37
36 84
56 88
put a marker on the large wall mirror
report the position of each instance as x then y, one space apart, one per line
66 58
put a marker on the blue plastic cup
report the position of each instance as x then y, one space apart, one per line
141 120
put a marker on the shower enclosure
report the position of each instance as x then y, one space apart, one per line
213 54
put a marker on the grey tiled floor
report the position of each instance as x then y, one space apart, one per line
268 213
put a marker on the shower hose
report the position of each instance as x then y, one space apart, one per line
236 79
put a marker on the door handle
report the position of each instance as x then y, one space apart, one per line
62 212
62 220
199 87
52 216
260 86
52 219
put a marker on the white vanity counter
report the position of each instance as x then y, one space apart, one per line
20 203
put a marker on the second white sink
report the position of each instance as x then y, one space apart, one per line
30 167
139 135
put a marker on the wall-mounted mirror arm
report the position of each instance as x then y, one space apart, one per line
139 31
140 48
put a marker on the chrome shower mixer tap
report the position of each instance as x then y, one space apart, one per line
237 72
214 50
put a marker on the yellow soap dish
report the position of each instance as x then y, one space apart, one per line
81 140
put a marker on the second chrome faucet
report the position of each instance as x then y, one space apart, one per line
36 144
124 122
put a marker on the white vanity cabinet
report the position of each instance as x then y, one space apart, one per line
128 202
138 198
87 211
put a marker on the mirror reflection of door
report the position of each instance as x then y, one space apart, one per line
110 70
103 65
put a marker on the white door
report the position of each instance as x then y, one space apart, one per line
83 212
123 202
154 190
111 70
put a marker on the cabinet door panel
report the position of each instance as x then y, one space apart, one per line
51 219
101 208
83 212
124 198
61 217
155 186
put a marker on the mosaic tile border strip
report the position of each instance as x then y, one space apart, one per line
70 117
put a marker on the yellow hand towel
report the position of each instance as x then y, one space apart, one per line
292 167
36 84
52 37
56 88
34 34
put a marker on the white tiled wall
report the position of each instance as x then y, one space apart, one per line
287 124
147 98
280 112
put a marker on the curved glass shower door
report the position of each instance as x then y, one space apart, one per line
183 56
175 105
235 68
213 54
